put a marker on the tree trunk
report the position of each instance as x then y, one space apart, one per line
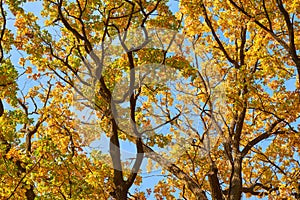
236 180
216 191
120 193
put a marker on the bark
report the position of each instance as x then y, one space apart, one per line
236 180
120 193
1 108
3 16
115 155
216 191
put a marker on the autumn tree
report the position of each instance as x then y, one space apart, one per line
254 46
208 93
53 64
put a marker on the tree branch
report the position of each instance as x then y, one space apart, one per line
263 136
180 174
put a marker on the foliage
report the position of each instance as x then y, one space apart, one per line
208 93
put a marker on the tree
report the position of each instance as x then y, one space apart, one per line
209 93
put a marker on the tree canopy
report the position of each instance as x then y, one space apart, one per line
96 95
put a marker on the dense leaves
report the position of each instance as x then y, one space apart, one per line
206 92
